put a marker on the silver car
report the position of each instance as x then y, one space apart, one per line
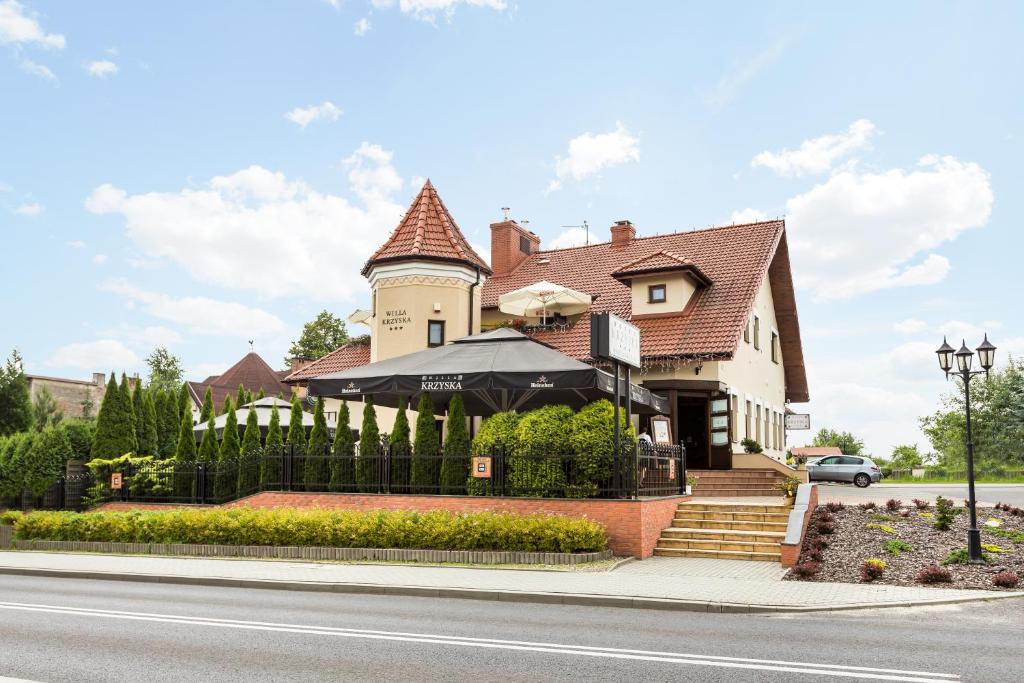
847 468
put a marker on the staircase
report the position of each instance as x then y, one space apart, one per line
725 531
736 483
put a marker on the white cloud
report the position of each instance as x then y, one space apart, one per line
589 154
747 215
101 68
573 237
362 27
33 209
201 315
100 355
19 28
818 155
336 4
76 244
99 259
30 67
428 10
910 326
730 85
146 337
258 231
860 232
303 116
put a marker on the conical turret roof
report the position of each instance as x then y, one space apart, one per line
427 232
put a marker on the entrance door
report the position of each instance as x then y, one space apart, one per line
693 432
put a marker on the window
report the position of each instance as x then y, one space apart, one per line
757 333
758 426
850 461
656 294
767 432
834 460
775 347
746 421
435 333
734 404
524 244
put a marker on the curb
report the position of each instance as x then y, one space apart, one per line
581 599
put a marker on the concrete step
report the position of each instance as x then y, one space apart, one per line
732 546
737 493
684 523
735 473
724 535
733 516
755 476
718 554
691 506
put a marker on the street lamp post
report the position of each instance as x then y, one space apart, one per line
986 357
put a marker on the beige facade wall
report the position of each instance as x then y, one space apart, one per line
678 290
71 395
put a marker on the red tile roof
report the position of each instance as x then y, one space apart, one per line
351 355
427 231
252 372
736 259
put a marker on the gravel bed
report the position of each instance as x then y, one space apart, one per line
853 542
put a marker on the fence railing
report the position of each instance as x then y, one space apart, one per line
633 472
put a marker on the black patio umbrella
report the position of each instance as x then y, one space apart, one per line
498 370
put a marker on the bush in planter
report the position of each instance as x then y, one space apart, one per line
592 440
497 431
343 456
751 446
437 529
542 443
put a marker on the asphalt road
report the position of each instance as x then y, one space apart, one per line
988 494
55 629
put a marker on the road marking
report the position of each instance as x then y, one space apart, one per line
553 648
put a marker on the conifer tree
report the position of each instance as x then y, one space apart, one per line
126 400
240 397
226 483
297 442
426 468
343 457
115 429
15 402
168 419
369 450
207 410
139 413
455 464
270 471
317 469
148 439
184 402
208 449
249 464
260 394
401 449
185 457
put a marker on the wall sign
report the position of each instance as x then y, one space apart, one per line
662 430
796 421
613 338
482 467
396 319
116 481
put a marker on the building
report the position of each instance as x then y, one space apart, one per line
74 397
251 372
716 309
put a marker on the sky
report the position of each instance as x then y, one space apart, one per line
202 174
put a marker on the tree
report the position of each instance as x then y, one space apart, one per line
45 411
226 482
115 426
164 369
369 449
167 420
45 460
455 465
343 460
270 470
249 464
149 440
319 337
241 398
80 435
206 411
317 472
401 449
209 452
184 400
426 466
139 415
88 405
15 404
906 458
297 441
846 442
185 457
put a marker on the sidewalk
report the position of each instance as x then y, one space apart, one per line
657 583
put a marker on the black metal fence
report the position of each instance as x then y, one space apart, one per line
634 472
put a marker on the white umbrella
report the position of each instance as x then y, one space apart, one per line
538 298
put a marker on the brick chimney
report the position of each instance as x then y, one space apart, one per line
623 233
300 363
511 244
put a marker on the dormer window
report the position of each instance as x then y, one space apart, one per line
524 244
656 294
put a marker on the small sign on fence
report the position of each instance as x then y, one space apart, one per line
482 467
116 481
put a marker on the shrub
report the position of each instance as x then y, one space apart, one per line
225 485
883 518
297 442
806 569
592 440
834 506
343 460
905 513
751 446
249 463
317 472
496 432
895 546
426 466
820 543
115 424
824 527
881 527
270 468
934 574
944 514
436 529
872 569
993 548
921 504
867 506
145 476
543 438
1014 536
401 449
960 556
369 449
10 516
1006 579
892 505
455 463
788 487
815 554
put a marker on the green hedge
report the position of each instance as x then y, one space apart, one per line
434 530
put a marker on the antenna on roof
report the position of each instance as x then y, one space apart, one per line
504 211
586 228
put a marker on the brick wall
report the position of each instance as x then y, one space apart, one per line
505 251
69 393
633 525
791 552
